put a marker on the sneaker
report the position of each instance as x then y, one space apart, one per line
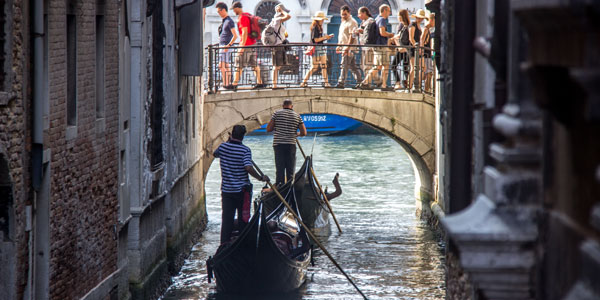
259 86
364 86
340 85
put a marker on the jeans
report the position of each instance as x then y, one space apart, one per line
400 65
230 203
285 162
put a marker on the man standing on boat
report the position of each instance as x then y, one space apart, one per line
236 164
285 124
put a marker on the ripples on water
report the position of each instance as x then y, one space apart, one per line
384 247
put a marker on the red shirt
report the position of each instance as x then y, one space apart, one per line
244 21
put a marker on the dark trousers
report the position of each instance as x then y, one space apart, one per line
285 162
400 64
230 203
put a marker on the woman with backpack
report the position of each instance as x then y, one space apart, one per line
273 35
320 52
400 60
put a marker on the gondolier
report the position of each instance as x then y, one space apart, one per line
236 164
285 124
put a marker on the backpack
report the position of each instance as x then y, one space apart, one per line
404 40
254 26
270 35
371 34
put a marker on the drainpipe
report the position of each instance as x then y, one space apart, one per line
38 97
37 132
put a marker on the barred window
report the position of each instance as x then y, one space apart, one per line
266 9
5 50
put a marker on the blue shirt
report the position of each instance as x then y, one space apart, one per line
234 157
381 22
226 34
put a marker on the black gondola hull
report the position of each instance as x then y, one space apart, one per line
247 267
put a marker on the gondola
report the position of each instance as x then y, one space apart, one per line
313 210
270 255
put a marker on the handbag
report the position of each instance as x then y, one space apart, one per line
310 51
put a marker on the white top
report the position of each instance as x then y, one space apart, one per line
347 27
279 28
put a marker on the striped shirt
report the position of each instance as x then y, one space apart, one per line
287 122
234 156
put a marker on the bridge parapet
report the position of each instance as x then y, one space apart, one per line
408 118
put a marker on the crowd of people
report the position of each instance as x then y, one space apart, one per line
403 52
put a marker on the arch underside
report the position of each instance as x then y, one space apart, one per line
416 135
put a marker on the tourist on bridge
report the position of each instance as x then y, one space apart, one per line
279 57
347 37
246 57
382 54
227 36
285 124
319 57
400 61
236 163
414 35
427 61
366 36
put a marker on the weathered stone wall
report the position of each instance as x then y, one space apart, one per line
14 147
83 204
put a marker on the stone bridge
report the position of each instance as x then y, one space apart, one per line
408 118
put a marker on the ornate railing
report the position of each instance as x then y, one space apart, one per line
405 65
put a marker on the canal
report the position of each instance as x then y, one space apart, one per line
385 248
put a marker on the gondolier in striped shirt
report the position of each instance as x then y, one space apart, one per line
236 164
285 124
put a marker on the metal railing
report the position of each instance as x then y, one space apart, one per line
409 69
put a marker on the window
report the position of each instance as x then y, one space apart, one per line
5 51
266 9
6 201
71 70
100 67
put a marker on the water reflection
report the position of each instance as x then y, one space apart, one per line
389 253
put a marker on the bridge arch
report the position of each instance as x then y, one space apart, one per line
407 118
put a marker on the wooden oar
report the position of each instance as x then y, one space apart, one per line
312 171
312 235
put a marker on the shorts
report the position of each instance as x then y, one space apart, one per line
246 58
382 56
320 51
279 56
367 58
428 65
225 55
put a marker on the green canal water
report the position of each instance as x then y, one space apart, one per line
384 247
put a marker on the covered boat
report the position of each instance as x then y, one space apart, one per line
270 255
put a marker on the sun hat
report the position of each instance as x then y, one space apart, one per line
320 15
282 7
420 14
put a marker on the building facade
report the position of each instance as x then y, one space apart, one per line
59 150
520 92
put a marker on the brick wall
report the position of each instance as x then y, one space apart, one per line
84 205
14 141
